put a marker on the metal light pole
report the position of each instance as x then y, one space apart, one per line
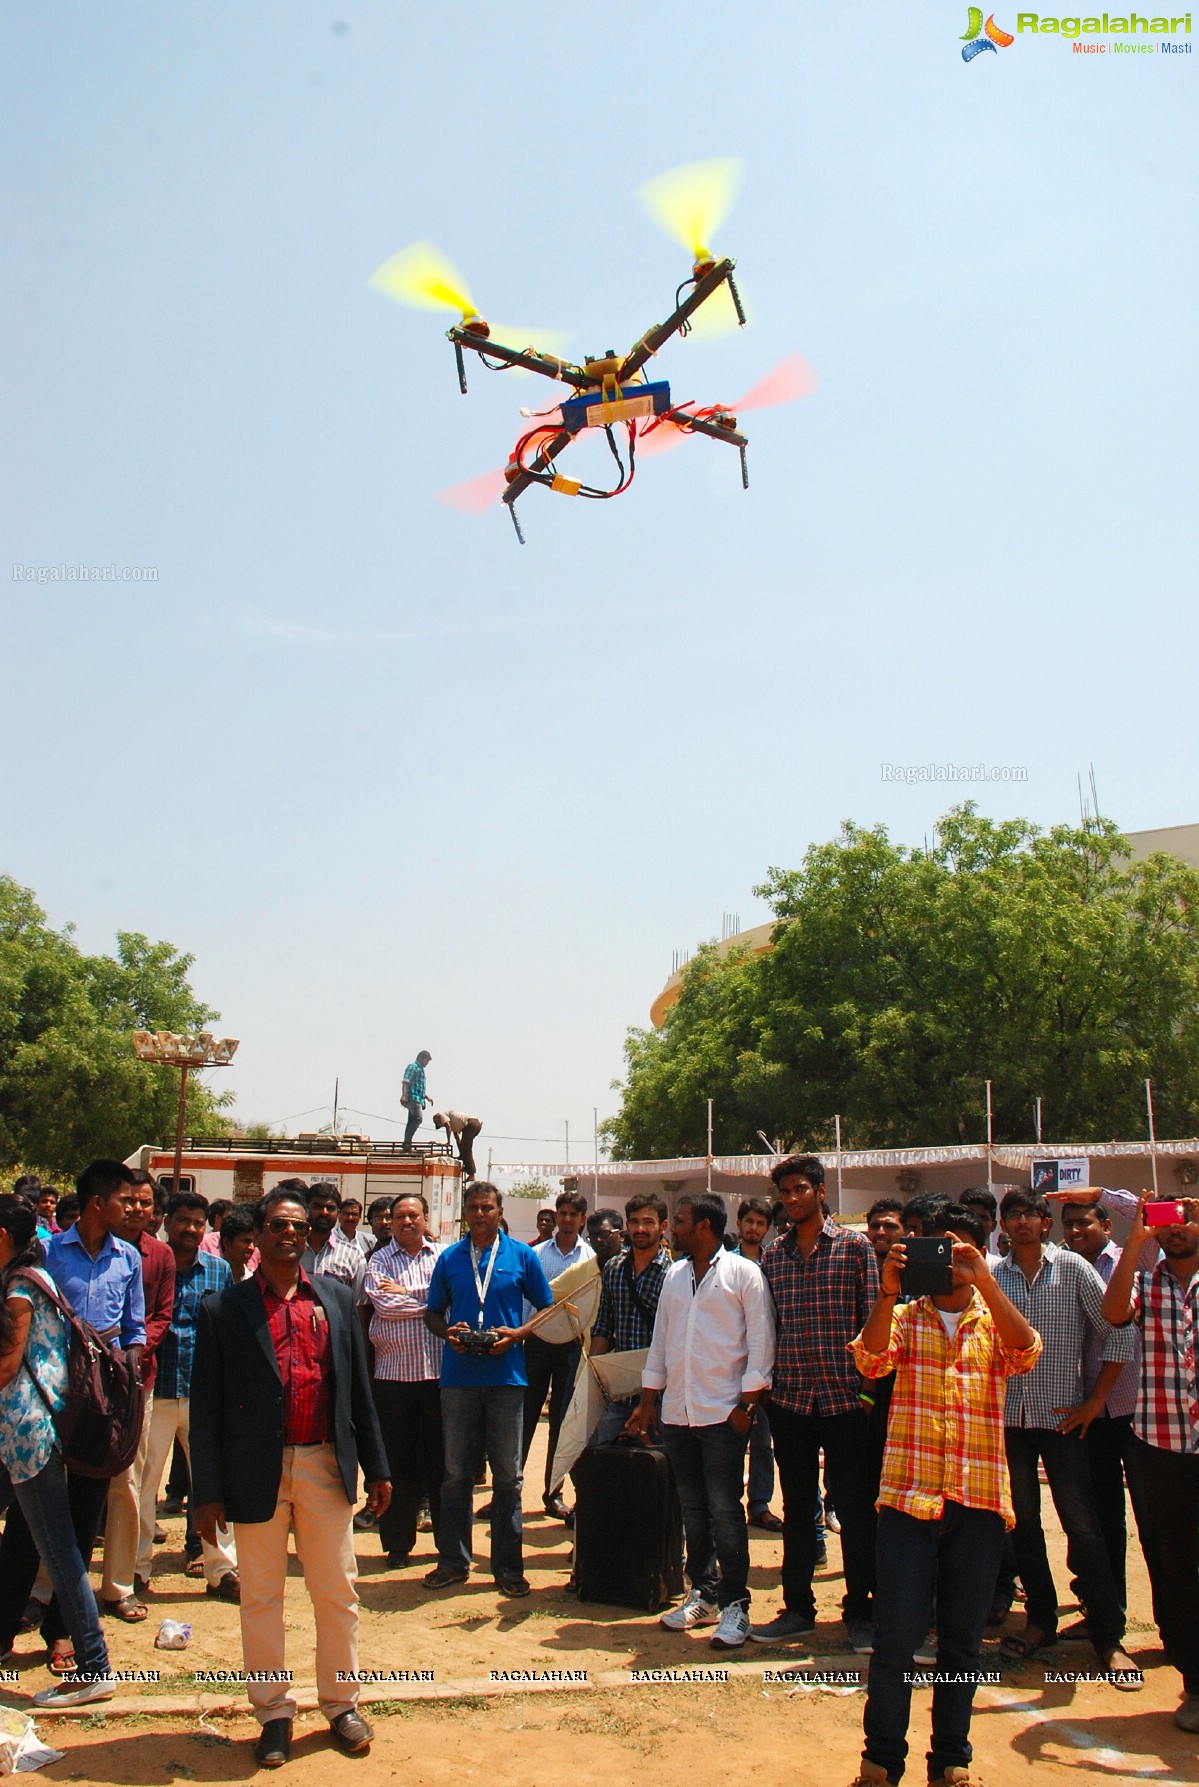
166 1049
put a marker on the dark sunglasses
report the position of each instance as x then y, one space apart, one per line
279 1225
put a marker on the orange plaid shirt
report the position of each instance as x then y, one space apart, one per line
945 1434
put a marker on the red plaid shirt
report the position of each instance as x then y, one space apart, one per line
822 1302
300 1333
1167 1411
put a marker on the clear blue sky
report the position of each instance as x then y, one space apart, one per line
399 783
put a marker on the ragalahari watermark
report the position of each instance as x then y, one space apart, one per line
85 573
954 772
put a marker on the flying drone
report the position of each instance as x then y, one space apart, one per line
610 390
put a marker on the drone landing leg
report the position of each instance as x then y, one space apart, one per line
735 295
461 367
744 471
515 522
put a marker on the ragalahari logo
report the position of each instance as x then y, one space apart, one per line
980 37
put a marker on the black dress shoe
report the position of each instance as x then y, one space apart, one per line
273 1748
351 1732
557 1509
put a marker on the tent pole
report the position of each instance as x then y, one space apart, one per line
709 1144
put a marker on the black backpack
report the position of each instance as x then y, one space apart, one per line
99 1425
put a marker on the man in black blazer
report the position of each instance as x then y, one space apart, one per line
282 1417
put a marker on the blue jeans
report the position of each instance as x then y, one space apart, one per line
761 1465
959 1556
44 1502
415 1113
475 1422
709 1470
1067 1466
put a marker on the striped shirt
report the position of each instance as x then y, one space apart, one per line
207 1272
337 1258
1167 1411
822 1302
405 1351
629 1301
945 1432
1123 1399
1062 1303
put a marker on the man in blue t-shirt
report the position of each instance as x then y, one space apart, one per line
480 1286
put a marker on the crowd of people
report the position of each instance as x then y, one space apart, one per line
286 1349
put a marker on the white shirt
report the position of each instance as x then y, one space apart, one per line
713 1342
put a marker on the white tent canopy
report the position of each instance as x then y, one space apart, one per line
855 1177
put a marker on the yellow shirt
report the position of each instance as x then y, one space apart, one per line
945 1433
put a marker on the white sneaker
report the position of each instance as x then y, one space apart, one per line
733 1629
694 1611
72 1690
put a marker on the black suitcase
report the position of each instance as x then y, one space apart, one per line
628 1526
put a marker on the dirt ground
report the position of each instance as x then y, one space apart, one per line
465 1726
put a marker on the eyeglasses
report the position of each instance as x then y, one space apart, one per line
279 1225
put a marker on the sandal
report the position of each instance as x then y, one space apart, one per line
62 1660
1018 1647
194 1567
1124 1675
127 1608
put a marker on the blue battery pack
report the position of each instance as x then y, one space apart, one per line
627 403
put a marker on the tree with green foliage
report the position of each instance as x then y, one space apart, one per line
71 1087
901 980
532 1188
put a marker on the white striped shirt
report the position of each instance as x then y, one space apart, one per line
405 1351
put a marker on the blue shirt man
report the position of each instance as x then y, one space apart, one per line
481 1283
101 1277
104 1287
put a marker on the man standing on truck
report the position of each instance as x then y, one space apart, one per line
414 1096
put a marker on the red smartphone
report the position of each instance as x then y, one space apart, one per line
1164 1214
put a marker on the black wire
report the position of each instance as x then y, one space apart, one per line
615 451
685 326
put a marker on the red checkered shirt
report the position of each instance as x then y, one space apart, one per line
1167 1410
300 1334
822 1302
405 1351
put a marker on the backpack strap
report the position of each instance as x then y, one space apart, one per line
52 1292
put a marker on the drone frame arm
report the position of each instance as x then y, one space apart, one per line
654 338
546 454
714 430
562 370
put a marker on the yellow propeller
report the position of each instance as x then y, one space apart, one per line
692 202
421 276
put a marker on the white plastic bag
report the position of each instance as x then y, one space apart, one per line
21 1749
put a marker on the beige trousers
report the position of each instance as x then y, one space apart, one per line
312 1504
122 1520
170 1420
